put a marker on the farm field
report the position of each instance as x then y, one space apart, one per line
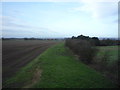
17 53
57 67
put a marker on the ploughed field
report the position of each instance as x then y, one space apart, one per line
17 53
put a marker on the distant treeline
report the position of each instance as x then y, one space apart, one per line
40 39
84 46
32 38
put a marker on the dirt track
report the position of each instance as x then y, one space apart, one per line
17 53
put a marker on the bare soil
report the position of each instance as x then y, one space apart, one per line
17 53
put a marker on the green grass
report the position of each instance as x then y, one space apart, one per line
60 69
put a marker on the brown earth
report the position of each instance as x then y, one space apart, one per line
17 53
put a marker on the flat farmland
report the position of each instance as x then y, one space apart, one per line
18 53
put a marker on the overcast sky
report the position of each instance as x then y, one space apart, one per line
59 19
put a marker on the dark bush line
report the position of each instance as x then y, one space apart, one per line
83 48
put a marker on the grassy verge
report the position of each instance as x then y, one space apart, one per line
59 69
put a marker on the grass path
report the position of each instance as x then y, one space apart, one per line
60 69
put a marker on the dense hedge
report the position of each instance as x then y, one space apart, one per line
83 48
